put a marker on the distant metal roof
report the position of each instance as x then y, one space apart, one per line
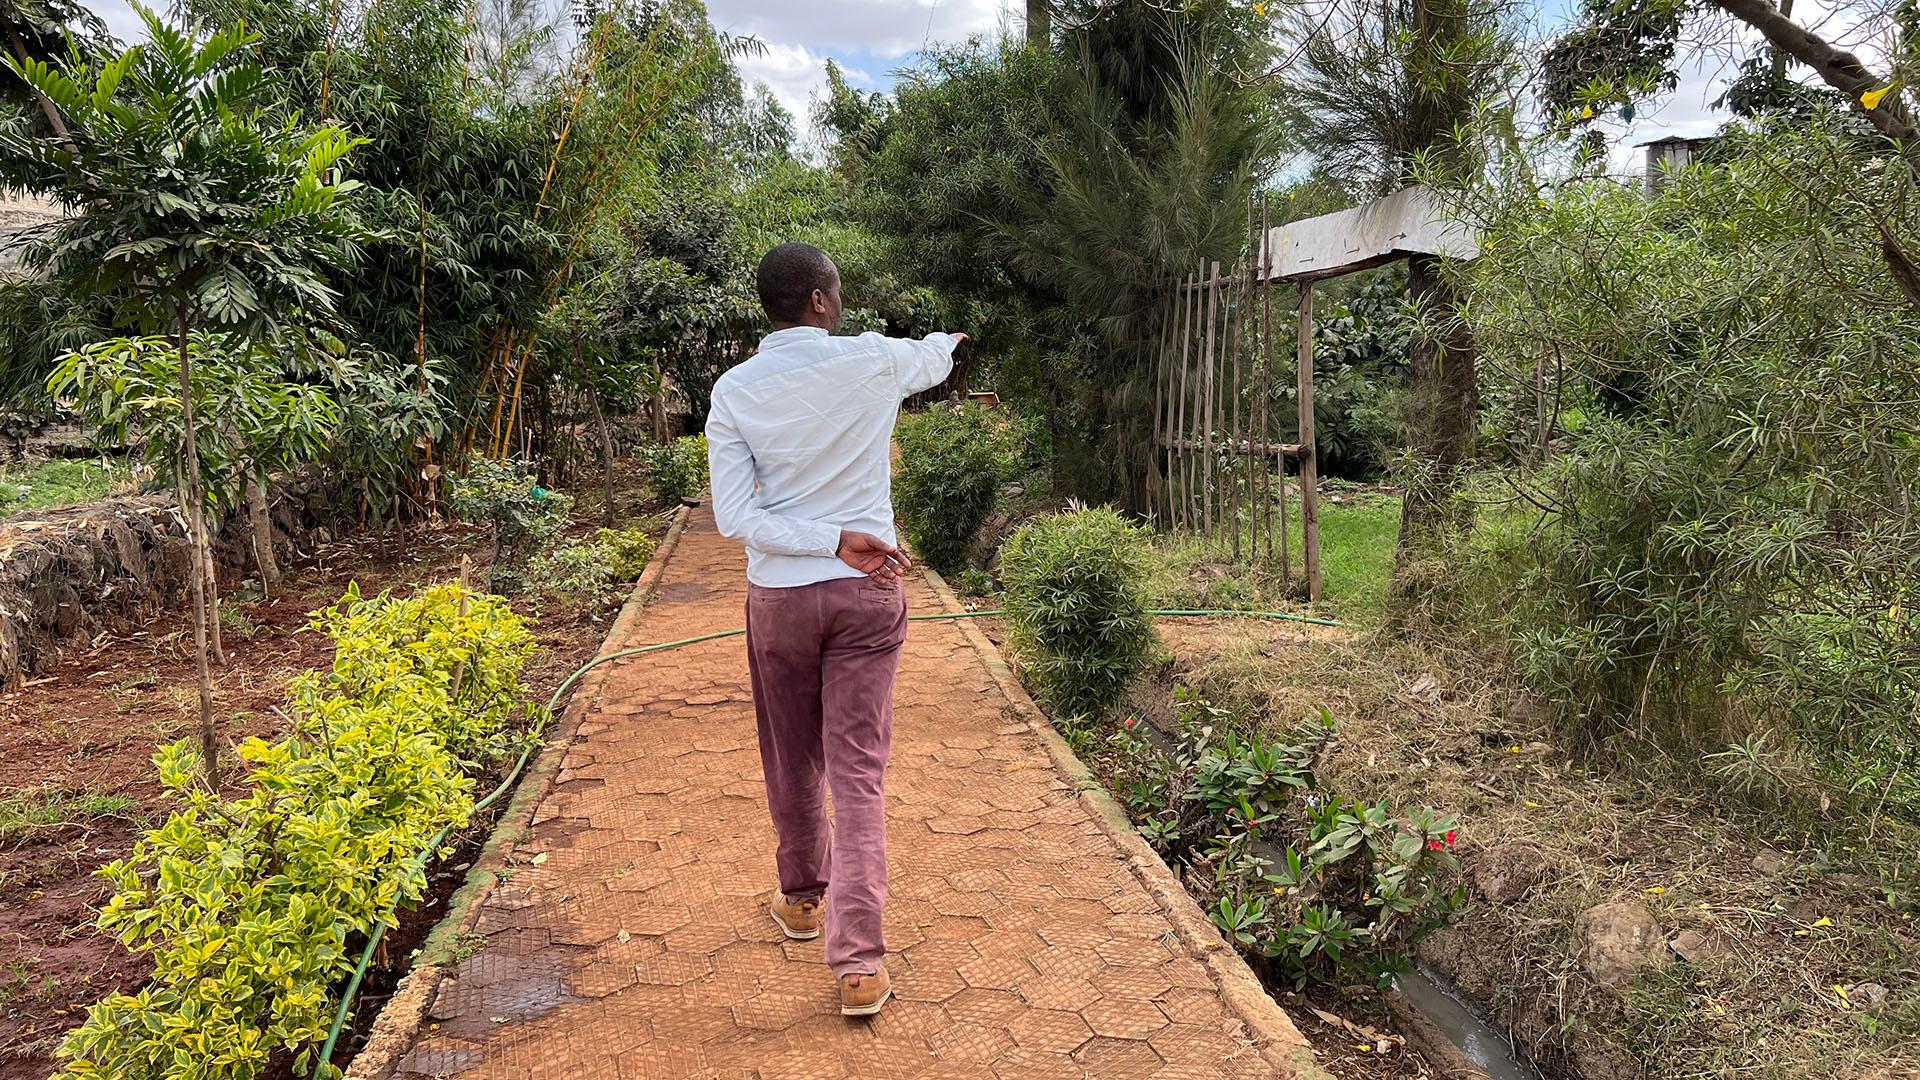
1410 221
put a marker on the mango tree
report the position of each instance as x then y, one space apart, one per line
186 212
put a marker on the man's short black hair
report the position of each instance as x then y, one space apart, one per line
788 276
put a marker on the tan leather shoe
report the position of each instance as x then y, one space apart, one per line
864 995
800 920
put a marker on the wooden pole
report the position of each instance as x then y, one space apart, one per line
1176 322
1183 518
1230 339
1250 336
1208 384
1266 405
1266 382
1309 466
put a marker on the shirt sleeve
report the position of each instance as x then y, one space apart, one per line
922 364
735 510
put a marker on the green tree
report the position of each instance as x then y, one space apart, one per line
45 30
1159 131
248 421
189 213
1382 93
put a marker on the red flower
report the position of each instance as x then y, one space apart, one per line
1451 837
1128 722
1435 845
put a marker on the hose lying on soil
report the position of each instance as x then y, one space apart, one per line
419 861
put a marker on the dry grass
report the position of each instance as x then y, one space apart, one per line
1422 726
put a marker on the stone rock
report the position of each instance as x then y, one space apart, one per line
1699 947
1505 872
1617 940
1770 861
1867 996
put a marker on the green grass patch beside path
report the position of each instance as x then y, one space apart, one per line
58 483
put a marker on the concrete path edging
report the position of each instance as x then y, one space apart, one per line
398 1025
1280 1042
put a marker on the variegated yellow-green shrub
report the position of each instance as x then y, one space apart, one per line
248 904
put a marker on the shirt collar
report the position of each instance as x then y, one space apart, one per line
792 334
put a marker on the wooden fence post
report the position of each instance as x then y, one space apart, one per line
1309 465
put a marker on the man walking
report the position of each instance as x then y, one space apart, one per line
798 440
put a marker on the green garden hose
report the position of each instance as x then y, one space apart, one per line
419 861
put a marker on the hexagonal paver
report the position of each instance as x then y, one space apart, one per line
1119 1018
639 946
976 1043
1056 1030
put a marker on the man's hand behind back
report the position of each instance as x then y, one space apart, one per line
872 556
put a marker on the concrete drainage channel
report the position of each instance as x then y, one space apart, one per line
1432 1004
1436 1020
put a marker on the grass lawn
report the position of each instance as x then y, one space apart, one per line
61 482
1357 537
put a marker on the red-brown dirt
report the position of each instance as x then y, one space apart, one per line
90 724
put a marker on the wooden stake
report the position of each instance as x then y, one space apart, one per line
1185 462
1248 337
1309 466
1157 437
1208 384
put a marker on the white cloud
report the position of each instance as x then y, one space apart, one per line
795 74
885 28
120 18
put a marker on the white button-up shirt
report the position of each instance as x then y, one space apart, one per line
798 442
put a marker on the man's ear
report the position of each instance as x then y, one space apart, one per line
818 301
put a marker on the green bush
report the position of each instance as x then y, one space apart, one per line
953 463
601 568
1076 587
1728 548
1319 888
628 551
520 515
248 904
677 470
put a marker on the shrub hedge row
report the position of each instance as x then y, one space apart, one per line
247 902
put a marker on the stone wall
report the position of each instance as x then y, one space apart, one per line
68 575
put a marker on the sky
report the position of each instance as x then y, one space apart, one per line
874 39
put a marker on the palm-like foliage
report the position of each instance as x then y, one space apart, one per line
182 210
1380 83
43 30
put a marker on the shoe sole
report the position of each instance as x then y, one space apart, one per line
796 935
868 1010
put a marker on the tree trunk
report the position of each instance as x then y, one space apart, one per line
1444 399
197 575
219 652
1039 23
606 450
46 106
260 524
1838 68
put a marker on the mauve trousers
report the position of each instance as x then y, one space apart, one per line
822 659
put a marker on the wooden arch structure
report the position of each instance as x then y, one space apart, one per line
1221 470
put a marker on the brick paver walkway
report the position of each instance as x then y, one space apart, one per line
631 939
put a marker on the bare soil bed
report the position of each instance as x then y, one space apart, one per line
77 784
